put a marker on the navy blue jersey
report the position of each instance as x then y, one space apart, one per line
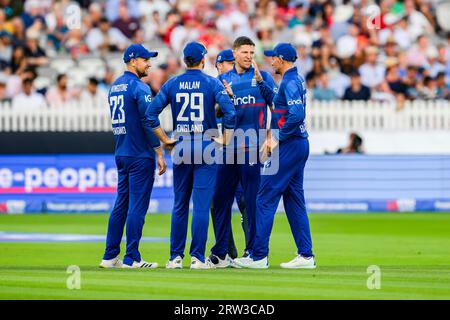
289 106
192 97
128 100
251 106
249 101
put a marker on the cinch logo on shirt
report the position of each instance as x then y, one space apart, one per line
291 102
244 100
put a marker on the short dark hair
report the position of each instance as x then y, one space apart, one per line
60 76
191 63
93 81
242 41
27 81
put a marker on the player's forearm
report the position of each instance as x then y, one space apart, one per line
161 135
267 92
227 134
159 151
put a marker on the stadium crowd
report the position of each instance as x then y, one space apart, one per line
53 51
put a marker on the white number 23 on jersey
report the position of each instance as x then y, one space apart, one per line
117 102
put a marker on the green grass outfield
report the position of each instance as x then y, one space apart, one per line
412 251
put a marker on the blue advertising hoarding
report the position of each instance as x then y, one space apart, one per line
344 183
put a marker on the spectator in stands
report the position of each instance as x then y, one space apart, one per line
389 52
105 38
418 23
58 30
75 44
93 93
417 54
354 145
5 25
281 33
35 54
338 80
301 15
356 91
147 8
33 9
437 61
304 63
95 13
396 84
28 99
3 94
411 80
111 8
429 89
151 26
125 23
372 72
173 19
19 62
322 91
107 81
321 29
61 92
6 46
443 89
401 33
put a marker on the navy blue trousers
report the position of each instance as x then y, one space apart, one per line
286 183
197 180
228 178
135 183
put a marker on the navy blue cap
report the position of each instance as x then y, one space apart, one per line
194 50
5 33
285 51
225 55
138 51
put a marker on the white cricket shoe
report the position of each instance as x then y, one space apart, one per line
176 263
220 263
197 264
141 265
112 263
300 262
249 263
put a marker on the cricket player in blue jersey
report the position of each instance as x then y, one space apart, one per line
251 113
290 136
225 63
135 151
192 97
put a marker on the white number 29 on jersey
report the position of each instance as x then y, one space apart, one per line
117 102
195 100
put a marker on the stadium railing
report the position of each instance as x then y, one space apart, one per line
93 116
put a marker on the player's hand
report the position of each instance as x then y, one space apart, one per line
219 140
264 152
227 88
162 165
266 149
258 76
169 144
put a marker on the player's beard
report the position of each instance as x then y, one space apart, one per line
143 73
